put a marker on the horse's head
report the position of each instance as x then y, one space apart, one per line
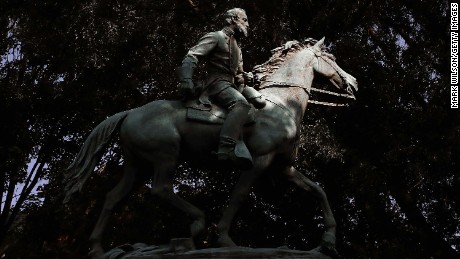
294 64
326 66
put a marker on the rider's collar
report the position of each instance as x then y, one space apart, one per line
229 31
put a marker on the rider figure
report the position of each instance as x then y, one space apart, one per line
225 80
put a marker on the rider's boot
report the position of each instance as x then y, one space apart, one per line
230 134
254 97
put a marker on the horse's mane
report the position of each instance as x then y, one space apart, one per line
283 53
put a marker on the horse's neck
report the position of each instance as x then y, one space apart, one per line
295 70
293 98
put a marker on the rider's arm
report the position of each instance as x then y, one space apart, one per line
185 71
239 78
205 45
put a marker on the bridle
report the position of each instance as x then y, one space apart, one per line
320 55
340 72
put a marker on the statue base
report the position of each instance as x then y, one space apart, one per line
184 248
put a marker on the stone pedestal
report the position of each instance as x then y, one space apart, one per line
183 248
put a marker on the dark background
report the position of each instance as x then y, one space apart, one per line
389 163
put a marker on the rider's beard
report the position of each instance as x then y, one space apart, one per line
242 30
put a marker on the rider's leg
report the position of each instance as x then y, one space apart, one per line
238 114
254 97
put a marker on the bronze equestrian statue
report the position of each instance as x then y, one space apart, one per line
157 137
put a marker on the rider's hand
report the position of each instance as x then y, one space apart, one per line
239 79
248 77
187 88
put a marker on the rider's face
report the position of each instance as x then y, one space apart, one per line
241 22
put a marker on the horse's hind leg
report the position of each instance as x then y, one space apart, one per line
120 191
328 240
163 187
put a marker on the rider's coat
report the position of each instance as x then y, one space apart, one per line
225 60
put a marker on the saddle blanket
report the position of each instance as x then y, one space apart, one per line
207 113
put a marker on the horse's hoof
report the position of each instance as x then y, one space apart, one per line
225 241
327 245
96 253
329 251
181 244
197 227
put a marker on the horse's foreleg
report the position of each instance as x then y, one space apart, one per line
120 191
239 194
328 240
163 187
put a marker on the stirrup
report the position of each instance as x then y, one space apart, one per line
227 154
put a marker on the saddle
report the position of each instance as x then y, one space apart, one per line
202 110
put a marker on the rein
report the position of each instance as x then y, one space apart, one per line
331 93
308 89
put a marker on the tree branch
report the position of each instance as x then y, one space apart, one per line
24 195
7 205
430 238
2 189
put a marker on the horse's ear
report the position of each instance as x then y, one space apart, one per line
319 43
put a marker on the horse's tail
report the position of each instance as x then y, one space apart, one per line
85 162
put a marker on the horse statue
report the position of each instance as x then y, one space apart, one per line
156 137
